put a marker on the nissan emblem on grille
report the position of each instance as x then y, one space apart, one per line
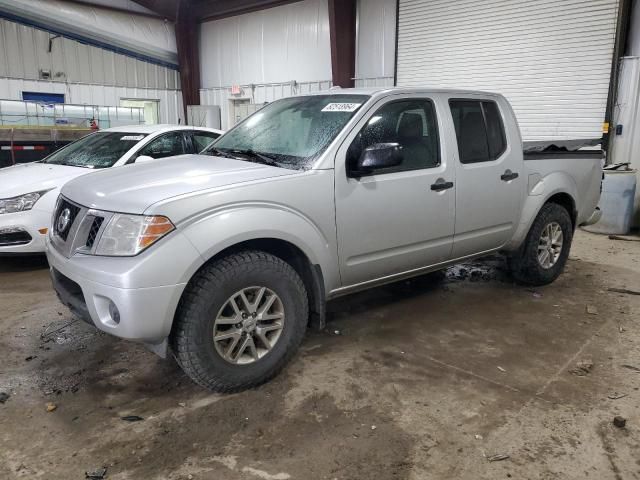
64 220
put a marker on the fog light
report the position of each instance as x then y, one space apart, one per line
114 313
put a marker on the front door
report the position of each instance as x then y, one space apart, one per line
402 218
489 176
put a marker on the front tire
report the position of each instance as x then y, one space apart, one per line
240 321
544 253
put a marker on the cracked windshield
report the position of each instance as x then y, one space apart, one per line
98 150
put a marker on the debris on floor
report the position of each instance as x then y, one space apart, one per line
592 310
624 239
619 421
616 395
498 457
501 369
582 368
51 407
624 290
4 397
132 418
631 367
97 474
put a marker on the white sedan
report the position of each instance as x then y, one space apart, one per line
28 192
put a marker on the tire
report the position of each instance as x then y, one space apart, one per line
525 265
210 298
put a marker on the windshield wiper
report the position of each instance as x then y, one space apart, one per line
256 156
221 153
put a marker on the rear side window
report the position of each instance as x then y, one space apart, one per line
479 130
202 140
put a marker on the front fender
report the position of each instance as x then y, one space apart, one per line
215 231
539 193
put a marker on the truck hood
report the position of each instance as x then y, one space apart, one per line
34 177
134 188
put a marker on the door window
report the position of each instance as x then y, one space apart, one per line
479 130
410 123
202 140
165 145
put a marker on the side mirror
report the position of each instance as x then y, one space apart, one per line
379 155
144 158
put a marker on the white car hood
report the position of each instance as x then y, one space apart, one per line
134 188
34 177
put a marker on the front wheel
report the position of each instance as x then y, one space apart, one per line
240 321
544 253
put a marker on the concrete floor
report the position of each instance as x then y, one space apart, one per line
424 380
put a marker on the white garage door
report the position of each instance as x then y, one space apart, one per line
550 58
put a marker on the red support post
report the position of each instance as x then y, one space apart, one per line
342 32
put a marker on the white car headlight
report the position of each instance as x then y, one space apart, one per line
128 235
21 203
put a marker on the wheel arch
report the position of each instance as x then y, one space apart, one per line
310 273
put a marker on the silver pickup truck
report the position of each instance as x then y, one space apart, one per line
224 258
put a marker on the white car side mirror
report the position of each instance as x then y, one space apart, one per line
144 158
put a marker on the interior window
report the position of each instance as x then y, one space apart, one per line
479 130
410 123
202 140
165 145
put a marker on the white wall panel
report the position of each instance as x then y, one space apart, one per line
256 94
142 34
24 52
170 100
550 58
280 44
376 39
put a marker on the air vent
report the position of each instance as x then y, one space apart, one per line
93 233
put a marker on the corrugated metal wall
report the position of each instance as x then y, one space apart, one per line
550 58
280 44
149 36
256 95
24 51
84 73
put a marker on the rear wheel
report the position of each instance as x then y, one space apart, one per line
544 253
240 321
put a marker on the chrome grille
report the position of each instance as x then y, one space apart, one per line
68 212
85 228
93 232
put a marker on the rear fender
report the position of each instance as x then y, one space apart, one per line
539 193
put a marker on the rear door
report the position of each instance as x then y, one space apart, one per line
488 175
401 218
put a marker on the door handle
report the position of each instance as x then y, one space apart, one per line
508 175
441 184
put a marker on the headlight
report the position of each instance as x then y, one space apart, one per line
127 235
21 203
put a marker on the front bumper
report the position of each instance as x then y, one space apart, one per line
28 224
143 314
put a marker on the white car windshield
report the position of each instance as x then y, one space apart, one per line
98 150
289 133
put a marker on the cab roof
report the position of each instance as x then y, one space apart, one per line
162 127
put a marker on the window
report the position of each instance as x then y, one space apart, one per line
410 123
97 150
479 130
202 140
165 145
292 131
495 130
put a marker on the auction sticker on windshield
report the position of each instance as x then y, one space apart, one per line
341 107
132 137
